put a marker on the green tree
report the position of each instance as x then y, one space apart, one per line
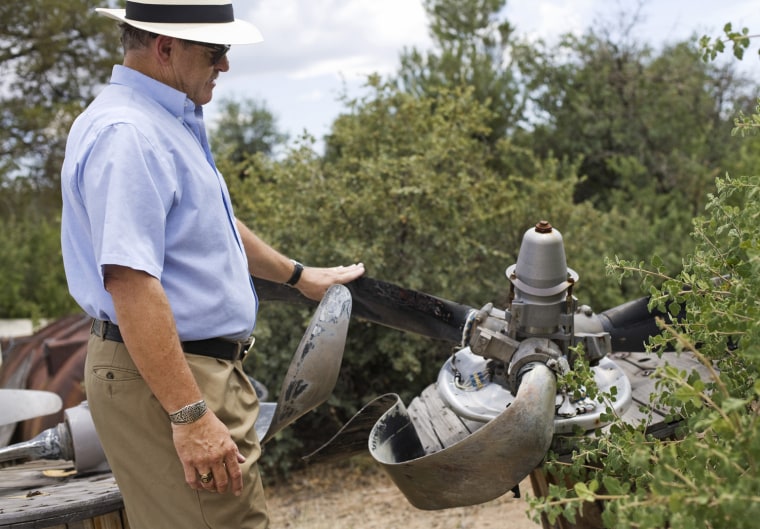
32 279
469 51
244 128
606 101
54 56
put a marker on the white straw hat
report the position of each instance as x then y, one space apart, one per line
211 21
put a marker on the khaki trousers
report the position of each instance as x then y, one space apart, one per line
136 436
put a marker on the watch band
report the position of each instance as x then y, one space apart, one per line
298 268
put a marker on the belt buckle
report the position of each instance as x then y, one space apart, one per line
243 347
98 328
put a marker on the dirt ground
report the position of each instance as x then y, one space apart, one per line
360 495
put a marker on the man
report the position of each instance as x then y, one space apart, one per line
153 253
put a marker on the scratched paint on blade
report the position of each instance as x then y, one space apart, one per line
307 348
295 388
287 413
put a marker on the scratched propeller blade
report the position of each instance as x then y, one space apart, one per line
482 466
313 372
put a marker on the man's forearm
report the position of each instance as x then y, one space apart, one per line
147 326
263 260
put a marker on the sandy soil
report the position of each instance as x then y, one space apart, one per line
361 496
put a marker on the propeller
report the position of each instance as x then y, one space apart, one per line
490 417
630 325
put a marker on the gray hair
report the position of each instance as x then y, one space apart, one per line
133 38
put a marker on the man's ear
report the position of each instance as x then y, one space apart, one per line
163 47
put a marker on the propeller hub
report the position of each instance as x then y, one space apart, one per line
541 274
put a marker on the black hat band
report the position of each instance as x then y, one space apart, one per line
180 14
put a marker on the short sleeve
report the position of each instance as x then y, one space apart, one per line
128 192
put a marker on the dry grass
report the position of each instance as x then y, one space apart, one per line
360 496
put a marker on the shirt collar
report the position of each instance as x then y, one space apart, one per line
171 99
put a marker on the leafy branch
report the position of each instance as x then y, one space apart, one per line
739 41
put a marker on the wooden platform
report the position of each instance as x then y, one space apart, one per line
45 494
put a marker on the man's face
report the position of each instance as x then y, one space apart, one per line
195 69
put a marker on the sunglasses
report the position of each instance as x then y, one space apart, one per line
220 50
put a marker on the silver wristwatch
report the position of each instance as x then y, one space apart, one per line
190 413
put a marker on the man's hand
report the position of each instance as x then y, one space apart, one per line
314 282
205 448
267 263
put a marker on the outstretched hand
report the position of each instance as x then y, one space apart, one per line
314 282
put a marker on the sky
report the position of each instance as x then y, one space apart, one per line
316 50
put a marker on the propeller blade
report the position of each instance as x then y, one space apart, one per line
16 380
313 372
18 405
480 467
477 468
389 305
264 420
631 324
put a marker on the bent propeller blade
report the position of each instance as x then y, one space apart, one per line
314 369
480 467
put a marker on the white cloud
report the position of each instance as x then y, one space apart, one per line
549 18
309 38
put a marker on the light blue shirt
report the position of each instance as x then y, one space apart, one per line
140 189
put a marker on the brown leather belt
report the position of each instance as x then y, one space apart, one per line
214 347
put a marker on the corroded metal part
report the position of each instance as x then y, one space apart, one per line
53 443
313 372
482 466
74 440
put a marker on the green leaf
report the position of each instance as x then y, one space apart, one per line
583 491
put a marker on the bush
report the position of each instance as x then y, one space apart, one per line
708 477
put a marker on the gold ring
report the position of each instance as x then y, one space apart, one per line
206 478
